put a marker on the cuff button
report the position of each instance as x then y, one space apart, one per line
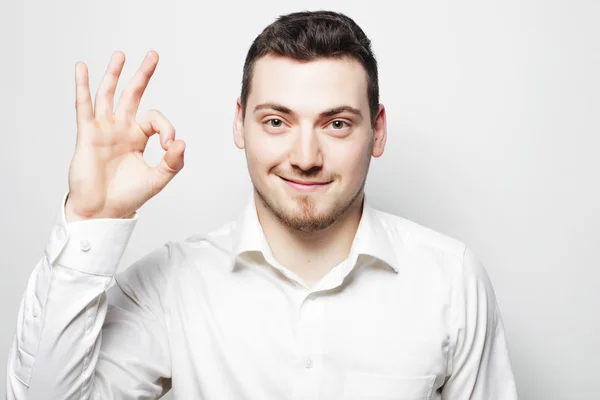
85 245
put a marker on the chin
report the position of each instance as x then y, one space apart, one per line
308 213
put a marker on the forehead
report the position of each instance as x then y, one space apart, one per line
308 87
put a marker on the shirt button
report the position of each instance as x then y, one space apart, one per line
308 363
59 232
85 245
35 312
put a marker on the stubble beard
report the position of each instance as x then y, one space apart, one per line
303 217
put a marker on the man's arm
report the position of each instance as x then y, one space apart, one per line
59 351
75 339
480 368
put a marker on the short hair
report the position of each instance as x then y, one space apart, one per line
311 35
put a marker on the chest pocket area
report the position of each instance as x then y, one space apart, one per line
368 386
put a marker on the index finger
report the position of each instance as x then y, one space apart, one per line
156 122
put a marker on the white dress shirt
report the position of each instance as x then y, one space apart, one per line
410 315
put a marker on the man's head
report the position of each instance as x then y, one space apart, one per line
309 117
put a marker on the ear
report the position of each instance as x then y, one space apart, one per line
238 126
379 132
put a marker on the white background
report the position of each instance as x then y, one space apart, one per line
493 113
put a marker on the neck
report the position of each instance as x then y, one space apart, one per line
310 255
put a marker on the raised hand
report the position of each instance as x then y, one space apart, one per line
108 178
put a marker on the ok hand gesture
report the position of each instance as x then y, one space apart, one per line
108 178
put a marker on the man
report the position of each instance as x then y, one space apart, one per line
311 294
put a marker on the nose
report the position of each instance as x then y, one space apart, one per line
306 151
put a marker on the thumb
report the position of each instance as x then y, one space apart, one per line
170 164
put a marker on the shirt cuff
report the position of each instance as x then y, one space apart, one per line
93 246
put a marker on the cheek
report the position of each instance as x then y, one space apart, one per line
264 152
350 162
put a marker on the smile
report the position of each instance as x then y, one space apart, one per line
306 186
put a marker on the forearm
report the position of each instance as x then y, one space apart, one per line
58 336
60 318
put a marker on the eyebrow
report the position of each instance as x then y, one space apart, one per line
327 113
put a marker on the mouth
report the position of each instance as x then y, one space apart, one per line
305 185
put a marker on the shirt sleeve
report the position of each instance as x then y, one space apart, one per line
480 367
76 336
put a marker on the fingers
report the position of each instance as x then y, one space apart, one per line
172 161
83 101
170 164
156 122
131 96
106 91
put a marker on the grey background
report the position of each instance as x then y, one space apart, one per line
493 139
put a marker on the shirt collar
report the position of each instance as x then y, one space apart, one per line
248 234
372 237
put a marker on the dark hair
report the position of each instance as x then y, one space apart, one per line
310 35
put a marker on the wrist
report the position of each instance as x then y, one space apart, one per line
71 215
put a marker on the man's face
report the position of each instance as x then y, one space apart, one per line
308 138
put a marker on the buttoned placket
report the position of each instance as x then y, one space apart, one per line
310 374
310 332
309 347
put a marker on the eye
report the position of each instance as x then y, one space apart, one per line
275 123
338 125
